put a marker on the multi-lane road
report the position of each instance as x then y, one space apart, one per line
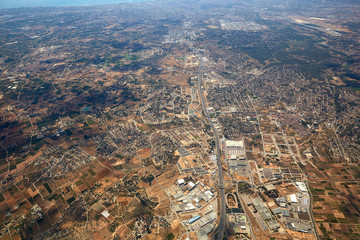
221 227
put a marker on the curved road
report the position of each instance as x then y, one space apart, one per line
221 227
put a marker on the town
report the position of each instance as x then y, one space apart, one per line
156 121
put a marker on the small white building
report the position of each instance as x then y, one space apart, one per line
180 181
189 207
105 213
191 185
302 187
293 198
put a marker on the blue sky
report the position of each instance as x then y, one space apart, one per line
50 3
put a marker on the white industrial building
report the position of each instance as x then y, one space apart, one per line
293 198
302 187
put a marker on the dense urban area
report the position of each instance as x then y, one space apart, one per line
181 120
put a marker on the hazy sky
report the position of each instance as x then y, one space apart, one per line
49 3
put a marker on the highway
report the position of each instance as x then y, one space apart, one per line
221 226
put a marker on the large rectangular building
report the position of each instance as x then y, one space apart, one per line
194 219
293 198
236 156
234 149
